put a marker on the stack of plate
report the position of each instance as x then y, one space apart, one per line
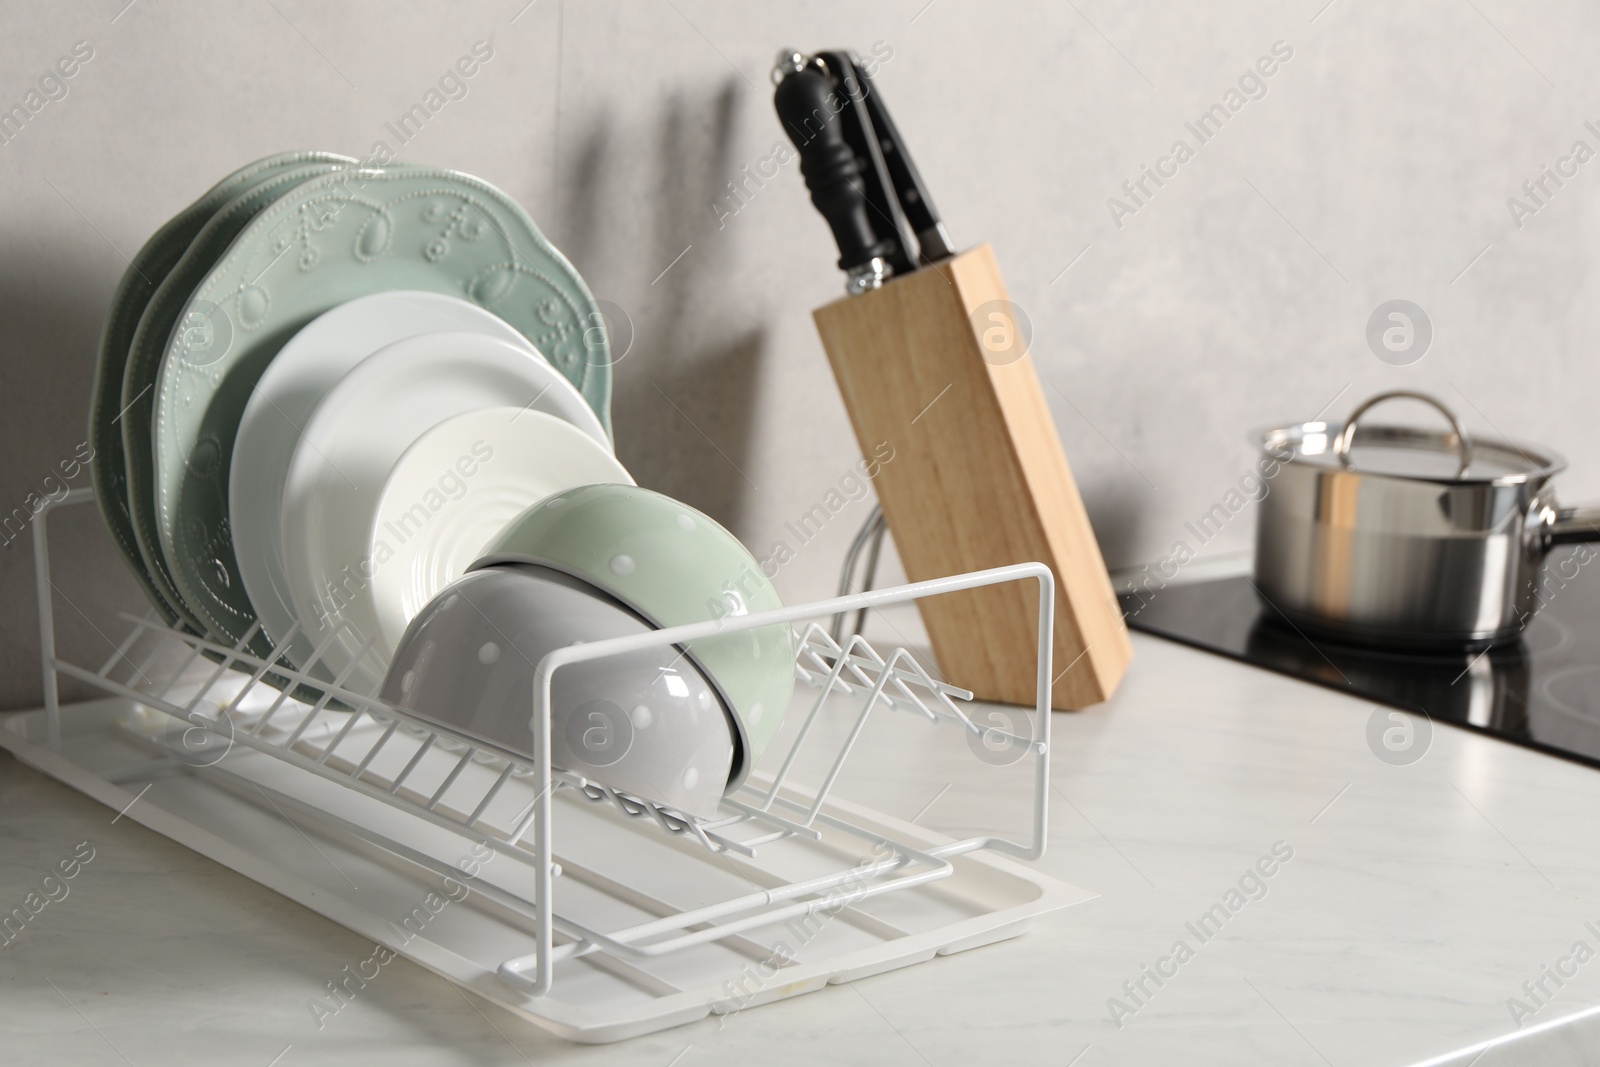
323 389
326 393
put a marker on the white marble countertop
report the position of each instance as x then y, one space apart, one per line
1417 902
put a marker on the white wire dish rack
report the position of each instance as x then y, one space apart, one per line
594 914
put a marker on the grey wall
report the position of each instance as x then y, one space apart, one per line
1376 166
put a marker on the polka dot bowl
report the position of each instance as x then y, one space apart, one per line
673 565
646 723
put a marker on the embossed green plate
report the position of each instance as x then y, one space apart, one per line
161 321
146 271
338 237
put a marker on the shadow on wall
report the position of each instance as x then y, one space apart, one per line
1118 522
684 397
51 312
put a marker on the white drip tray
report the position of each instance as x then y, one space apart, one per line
373 868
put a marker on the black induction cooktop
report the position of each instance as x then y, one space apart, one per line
1542 692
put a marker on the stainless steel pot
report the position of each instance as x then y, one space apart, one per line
1408 536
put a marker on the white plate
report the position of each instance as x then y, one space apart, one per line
358 432
282 403
455 489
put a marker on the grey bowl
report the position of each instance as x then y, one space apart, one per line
646 723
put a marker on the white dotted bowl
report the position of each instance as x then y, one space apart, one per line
648 723
673 565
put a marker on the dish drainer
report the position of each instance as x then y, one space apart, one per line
443 848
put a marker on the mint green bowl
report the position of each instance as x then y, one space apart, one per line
673 565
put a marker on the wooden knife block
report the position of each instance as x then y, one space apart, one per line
978 480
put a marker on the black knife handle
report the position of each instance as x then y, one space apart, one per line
920 214
806 106
883 202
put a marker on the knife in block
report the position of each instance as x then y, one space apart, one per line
978 480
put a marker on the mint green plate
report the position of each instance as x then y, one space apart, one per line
140 381
146 271
332 239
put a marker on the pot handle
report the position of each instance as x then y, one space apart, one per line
1571 526
1342 443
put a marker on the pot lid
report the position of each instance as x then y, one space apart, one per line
1410 451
